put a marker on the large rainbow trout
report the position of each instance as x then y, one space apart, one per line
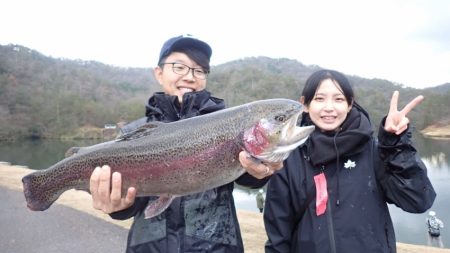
178 158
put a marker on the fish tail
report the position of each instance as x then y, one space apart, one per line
38 195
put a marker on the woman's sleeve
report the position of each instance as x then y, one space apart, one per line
278 213
402 174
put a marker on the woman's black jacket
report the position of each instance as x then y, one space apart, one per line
362 176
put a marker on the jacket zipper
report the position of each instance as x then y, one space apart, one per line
189 106
330 223
331 229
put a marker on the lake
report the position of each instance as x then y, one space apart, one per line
409 228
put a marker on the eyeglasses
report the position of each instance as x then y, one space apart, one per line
181 69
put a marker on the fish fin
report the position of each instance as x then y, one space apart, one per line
142 131
158 206
80 150
72 151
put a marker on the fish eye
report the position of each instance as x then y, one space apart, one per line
280 118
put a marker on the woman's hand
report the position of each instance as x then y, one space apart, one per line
257 168
106 191
396 121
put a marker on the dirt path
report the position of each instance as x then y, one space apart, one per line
251 222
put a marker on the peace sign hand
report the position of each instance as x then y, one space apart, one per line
396 121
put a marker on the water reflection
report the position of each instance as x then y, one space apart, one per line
438 160
435 151
245 199
38 154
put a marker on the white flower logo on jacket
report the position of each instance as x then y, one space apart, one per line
349 164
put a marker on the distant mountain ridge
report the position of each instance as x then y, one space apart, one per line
45 97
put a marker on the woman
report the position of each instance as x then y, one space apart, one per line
333 192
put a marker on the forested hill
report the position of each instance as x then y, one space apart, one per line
43 97
46 97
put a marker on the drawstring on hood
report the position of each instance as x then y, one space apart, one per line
338 168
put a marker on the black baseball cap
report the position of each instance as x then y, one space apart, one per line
184 41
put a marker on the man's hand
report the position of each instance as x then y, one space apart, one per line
107 193
396 121
257 168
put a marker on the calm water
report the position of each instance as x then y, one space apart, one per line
410 228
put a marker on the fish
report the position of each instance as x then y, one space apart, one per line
169 160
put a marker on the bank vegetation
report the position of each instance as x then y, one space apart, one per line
45 97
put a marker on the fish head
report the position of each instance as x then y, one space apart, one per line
275 134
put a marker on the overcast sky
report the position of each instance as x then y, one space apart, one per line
404 41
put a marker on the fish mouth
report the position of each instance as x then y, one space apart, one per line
291 136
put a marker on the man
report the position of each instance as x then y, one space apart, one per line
203 222
260 200
434 229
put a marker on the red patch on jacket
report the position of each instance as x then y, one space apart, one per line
321 193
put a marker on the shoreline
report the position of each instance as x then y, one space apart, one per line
438 132
251 223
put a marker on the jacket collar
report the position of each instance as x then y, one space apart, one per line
166 108
325 147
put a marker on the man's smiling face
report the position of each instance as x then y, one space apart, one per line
177 85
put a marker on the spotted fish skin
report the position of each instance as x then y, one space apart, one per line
177 158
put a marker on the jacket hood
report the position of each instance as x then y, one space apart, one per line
325 147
